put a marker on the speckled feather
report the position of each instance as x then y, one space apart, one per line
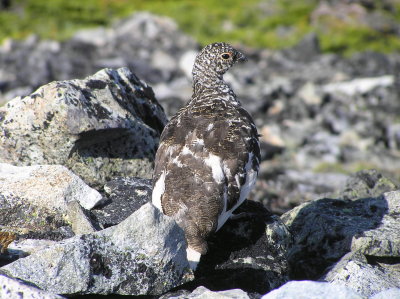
209 152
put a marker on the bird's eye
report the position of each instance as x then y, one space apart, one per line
226 55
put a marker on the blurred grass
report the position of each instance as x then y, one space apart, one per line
272 24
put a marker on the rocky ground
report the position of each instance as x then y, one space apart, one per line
321 116
77 221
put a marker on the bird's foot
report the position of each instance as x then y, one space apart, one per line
193 257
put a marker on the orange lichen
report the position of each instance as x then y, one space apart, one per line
5 239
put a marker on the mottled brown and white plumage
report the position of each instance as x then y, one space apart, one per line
209 153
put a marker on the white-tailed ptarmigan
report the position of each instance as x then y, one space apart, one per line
209 153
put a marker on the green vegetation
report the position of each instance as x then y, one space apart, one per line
344 168
358 166
258 23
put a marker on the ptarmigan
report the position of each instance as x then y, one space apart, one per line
209 153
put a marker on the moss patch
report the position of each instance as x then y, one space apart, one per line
273 24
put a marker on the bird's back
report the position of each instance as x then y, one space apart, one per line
204 158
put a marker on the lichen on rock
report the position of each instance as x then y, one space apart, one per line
103 126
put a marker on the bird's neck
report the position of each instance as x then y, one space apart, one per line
208 84
206 78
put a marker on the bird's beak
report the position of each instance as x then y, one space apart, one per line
240 57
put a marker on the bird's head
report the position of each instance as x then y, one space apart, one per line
217 58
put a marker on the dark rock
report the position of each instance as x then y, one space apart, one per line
125 196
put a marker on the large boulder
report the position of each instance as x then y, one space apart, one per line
143 255
326 229
103 126
373 265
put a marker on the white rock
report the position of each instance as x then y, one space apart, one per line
393 293
204 293
312 290
11 288
309 94
47 186
163 61
362 85
98 37
186 62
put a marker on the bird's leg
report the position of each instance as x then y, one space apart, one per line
197 245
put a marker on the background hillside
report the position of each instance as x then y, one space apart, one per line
343 26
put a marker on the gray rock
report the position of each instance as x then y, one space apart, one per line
143 255
172 95
312 290
365 275
103 126
306 50
80 223
393 202
204 293
25 247
13 288
373 263
324 230
280 192
125 196
366 183
382 241
34 199
310 95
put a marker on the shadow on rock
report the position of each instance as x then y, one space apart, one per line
247 253
323 229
